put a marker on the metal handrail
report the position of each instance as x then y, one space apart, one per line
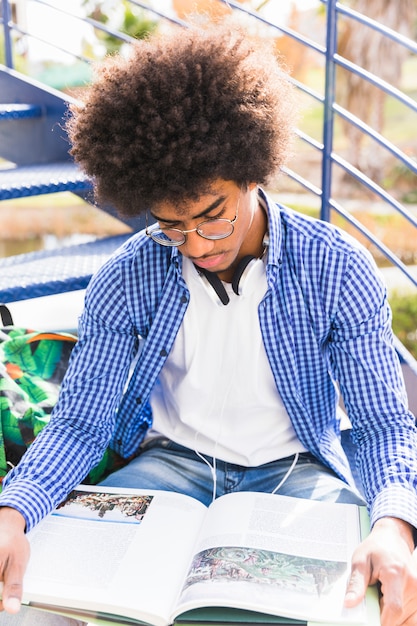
6 20
384 30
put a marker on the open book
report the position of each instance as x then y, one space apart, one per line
153 557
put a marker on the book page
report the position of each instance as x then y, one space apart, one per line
116 551
278 555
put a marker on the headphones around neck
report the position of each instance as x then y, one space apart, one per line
241 271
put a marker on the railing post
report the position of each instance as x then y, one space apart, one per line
328 113
6 13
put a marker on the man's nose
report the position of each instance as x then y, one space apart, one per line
196 246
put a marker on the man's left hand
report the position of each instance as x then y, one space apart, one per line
387 558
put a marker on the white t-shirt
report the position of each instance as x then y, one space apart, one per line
216 392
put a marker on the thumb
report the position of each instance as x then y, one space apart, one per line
14 556
356 587
11 593
12 585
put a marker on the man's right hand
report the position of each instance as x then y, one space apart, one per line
14 556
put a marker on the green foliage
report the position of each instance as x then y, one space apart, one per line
124 18
401 177
404 320
304 209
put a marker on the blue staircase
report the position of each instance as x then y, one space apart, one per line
34 146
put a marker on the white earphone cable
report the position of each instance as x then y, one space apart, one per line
288 474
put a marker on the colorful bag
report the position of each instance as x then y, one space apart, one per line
32 366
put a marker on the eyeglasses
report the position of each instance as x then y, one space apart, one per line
217 228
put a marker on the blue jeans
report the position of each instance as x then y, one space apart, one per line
163 464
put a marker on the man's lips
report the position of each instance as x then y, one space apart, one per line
209 262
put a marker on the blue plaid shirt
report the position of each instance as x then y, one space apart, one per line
325 323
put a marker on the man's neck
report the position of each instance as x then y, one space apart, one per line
254 243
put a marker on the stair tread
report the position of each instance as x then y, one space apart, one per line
33 180
55 271
19 111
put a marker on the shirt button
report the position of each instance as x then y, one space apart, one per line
163 352
184 299
138 400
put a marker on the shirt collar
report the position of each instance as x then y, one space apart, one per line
274 227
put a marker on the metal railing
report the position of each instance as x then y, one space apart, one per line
337 16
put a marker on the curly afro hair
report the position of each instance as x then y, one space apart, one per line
184 109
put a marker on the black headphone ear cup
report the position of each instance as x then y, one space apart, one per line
239 271
215 283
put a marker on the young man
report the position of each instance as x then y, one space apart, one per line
240 317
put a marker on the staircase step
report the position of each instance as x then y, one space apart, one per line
34 180
19 111
50 272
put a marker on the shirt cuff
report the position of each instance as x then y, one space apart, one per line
29 499
395 501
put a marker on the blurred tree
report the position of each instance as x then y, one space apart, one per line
121 16
290 51
379 55
296 56
212 9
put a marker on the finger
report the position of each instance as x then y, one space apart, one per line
356 587
10 604
360 578
13 580
12 596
